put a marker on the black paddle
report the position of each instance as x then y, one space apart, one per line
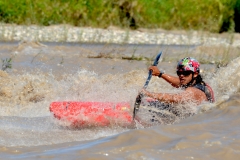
139 96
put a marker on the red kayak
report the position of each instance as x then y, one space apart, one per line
81 114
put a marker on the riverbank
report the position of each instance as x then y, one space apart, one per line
67 33
213 16
207 47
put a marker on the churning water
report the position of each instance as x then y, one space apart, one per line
42 73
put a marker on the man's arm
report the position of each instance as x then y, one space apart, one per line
174 81
190 94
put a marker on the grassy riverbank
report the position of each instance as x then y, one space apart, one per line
209 15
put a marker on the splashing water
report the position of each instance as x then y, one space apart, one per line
25 96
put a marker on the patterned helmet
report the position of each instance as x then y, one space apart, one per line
188 64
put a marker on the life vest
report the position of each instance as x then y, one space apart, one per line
207 90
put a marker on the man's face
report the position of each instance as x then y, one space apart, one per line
186 76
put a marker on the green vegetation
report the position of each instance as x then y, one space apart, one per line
209 15
6 64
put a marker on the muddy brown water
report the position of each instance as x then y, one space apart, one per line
46 72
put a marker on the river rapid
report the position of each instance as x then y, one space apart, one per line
45 72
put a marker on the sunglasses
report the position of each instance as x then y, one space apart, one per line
184 73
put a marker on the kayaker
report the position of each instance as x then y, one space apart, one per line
189 79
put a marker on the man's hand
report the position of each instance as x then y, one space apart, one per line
145 92
155 70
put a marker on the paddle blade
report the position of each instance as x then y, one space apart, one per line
137 105
155 63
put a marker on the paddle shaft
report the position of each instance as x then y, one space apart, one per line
139 96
